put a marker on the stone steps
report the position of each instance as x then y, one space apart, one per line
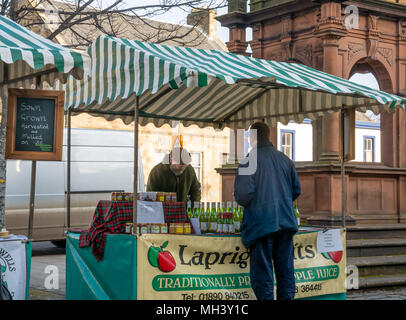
378 232
382 281
379 253
379 265
376 247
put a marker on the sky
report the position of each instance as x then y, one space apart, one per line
174 15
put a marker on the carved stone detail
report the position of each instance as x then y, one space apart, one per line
304 53
402 30
286 27
372 47
354 49
286 51
373 22
387 54
373 26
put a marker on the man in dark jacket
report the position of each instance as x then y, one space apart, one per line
266 186
175 174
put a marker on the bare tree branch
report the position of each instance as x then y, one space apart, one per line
79 22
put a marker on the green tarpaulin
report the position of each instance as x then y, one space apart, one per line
210 87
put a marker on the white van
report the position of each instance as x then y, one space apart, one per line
101 163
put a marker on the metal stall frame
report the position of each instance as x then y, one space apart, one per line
135 169
69 162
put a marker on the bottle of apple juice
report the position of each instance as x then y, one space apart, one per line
203 220
189 209
220 221
230 220
236 218
213 218
196 209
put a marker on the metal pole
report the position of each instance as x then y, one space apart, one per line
33 180
343 184
3 160
32 198
344 193
68 168
135 189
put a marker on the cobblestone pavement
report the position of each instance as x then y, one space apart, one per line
42 294
378 294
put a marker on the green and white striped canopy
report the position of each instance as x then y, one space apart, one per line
209 87
32 52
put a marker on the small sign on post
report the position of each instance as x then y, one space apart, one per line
35 124
34 131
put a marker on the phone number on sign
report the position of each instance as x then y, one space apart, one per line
309 287
238 295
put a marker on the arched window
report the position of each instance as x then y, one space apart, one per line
368 133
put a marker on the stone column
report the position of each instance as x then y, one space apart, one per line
393 125
330 30
326 180
237 43
330 139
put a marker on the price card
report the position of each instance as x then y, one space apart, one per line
329 241
196 225
150 212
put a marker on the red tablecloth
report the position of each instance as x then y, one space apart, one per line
111 217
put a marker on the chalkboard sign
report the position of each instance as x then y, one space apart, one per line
35 124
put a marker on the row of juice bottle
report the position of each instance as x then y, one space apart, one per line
220 219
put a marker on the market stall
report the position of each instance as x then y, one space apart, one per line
192 267
27 61
145 83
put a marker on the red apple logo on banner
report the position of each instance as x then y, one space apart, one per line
161 259
336 256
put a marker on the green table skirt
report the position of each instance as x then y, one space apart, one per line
115 276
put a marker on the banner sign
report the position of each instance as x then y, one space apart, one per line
13 266
179 267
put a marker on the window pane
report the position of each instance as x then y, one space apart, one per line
368 144
287 151
368 156
289 139
197 164
195 159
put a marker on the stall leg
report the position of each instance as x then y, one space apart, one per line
32 198
68 168
343 193
342 158
135 189
3 161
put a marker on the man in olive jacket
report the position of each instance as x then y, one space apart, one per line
175 174
266 186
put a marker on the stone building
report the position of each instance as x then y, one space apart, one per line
205 145
341 38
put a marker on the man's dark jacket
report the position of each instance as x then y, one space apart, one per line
267 193
163 179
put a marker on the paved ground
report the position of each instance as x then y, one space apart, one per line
46 255
47 264
378 294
